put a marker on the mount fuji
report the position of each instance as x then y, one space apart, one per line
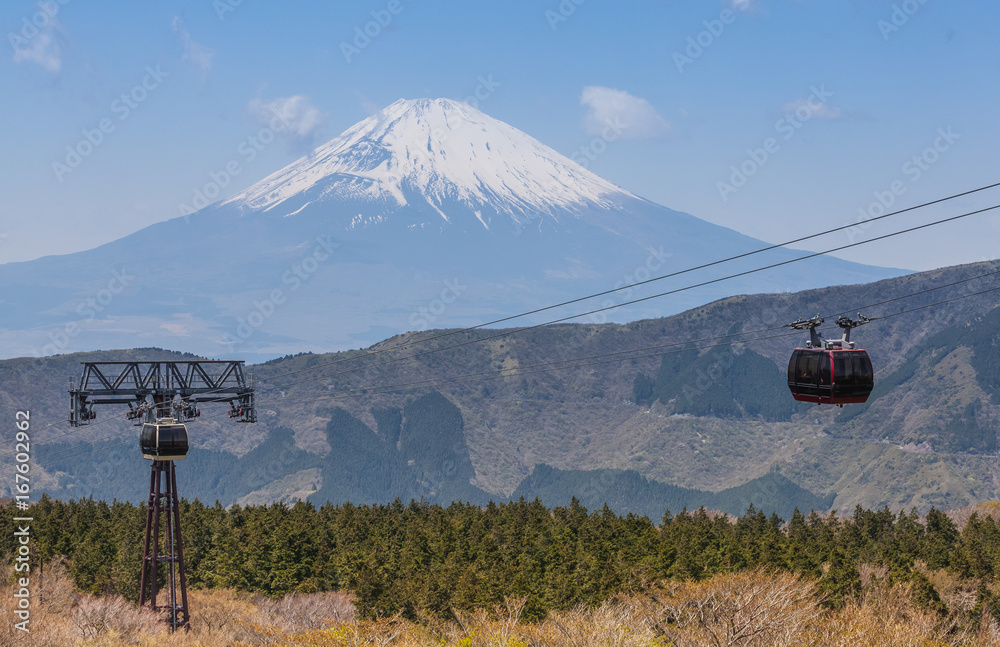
428 214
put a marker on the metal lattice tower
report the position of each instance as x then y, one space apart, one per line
150 388
163 486
153 391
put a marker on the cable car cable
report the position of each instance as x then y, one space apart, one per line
619 305
458 379
648 281
913 294
673 274
60 456
694 341
383 390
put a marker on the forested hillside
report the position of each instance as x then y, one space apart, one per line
470 414
955 373
432 559
718 383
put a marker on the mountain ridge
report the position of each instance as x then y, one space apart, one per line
360 241
587 418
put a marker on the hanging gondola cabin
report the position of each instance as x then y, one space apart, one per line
830 376
163 440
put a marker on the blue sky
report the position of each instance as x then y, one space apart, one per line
848 101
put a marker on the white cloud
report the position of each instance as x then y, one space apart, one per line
41 45
635 118
814 109
198 54
295 121
43 50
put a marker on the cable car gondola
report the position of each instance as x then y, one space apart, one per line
163 440
830 371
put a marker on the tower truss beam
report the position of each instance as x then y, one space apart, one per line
134 383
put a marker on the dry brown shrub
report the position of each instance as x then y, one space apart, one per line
440 632
960 516
749 609
299 612
957 594
613 624
52 599
500 628
96 617
220 617
884 616
379 633
872 574
55 589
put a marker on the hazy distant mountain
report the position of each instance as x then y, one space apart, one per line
457 429
427 214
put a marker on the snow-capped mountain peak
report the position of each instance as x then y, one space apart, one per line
429 214
437 152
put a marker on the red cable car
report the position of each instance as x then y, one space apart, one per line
830 371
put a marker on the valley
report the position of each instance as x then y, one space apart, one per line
369 425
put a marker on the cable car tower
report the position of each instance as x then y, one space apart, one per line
161 396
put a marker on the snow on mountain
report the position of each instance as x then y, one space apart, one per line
428 214
439 152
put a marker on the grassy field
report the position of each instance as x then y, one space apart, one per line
753 608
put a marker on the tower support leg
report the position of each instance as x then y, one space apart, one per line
163 502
